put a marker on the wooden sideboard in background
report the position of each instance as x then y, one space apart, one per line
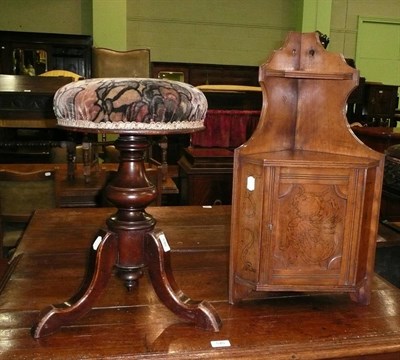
377 137
44 52
207 74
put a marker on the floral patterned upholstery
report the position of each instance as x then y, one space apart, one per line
131 105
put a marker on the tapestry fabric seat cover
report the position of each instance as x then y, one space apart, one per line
131 105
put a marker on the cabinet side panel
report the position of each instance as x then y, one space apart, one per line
369 225
245 237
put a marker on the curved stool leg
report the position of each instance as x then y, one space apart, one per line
158 261
102 259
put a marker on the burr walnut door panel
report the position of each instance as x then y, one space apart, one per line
311 235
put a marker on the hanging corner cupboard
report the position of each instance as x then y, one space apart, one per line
306 191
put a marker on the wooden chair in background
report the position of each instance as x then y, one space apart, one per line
109 63
113 63
7 266
20 194
59 155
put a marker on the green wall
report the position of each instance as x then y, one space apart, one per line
378 49
109 24
211 31
242 32
52 16
371 59
316 16
345 16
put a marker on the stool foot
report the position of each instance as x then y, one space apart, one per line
201 313
102 259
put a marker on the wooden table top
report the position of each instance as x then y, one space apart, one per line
135 325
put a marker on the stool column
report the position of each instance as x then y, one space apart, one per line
131 192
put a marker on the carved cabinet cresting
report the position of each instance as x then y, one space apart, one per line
306 191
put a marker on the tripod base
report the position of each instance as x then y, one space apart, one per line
103 257
129 245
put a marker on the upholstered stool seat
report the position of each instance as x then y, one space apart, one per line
133 108
134 105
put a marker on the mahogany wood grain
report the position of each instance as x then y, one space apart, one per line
129 245
285 326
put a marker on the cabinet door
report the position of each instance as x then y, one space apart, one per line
311 233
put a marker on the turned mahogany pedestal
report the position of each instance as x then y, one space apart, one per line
132 108
130 244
